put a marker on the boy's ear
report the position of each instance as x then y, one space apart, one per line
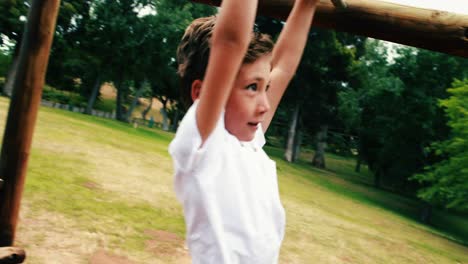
196 89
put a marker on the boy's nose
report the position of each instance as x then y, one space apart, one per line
263 104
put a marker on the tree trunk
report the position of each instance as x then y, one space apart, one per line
378 178
423 28
165 123
175 120
321 144
147 109
297 145
93 96
119 108
138 93
8 87
358 164
290 153
426 213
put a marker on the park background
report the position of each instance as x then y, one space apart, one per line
370 142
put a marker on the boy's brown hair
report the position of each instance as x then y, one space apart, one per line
194 49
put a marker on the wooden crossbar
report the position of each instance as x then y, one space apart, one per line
423 28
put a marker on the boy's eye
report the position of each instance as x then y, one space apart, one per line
252 87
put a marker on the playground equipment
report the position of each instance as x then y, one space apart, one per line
430 29
423 28
27 91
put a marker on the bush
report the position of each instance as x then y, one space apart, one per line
106 105
63 97
5 61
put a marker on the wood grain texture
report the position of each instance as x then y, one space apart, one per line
423 28
24 104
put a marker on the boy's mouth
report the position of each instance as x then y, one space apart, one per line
253 124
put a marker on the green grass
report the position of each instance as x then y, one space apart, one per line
95 184
61 187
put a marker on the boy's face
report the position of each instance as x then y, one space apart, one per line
248 102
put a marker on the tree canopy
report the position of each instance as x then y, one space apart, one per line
446 182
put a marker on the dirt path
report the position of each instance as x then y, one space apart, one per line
103 257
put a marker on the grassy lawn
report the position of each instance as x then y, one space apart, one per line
98 185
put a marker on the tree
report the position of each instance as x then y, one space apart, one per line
171 21
447 180
71 59
322 73
13 18
294 138
366 103
12 23
118 30
310 102
397 112
165 90
111 41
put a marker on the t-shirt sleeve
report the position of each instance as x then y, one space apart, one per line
186 149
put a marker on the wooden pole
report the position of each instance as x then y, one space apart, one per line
24 104
11 255
423 28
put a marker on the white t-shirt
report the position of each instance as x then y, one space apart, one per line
229 192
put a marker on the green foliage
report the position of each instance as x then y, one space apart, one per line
10 23
63 97
341 144
70 58
106 105
447 180
324 68
169 26
5 61
349 109
369 78
112 41
393 109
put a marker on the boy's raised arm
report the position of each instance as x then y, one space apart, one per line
288 52
229 43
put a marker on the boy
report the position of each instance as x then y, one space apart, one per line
223 178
